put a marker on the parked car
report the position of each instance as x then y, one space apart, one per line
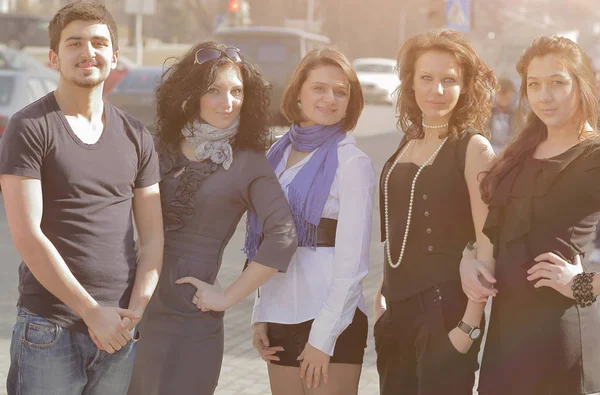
134 94
124 64
18 60
19 88
23 80
378 79
276 51
22 30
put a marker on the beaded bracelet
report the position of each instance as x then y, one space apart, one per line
582 289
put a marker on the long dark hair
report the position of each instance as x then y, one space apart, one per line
474 106
532 130
184 83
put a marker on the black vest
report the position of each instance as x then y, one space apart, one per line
441 225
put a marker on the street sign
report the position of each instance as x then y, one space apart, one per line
458 15
143 7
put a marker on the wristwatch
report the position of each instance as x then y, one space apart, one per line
474 332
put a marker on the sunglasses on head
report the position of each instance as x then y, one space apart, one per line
207 54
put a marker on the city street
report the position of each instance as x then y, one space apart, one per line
243 371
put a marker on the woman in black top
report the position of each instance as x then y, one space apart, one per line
544 202
431 209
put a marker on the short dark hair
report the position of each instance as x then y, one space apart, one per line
83 10
314 59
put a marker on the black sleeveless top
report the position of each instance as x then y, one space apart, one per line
441 224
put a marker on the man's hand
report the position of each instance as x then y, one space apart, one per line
208 297
107 327
315 363
129 324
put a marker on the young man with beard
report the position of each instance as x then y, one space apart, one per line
73 169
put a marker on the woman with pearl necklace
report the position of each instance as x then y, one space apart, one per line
427 333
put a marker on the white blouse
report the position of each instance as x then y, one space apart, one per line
326 284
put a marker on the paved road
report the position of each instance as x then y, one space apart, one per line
243 372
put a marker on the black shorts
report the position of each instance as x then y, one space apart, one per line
349 348
414 353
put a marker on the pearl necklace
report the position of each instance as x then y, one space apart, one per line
410 205
434 126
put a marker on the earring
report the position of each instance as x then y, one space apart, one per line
299 104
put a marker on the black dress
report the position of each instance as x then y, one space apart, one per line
181 348
540 342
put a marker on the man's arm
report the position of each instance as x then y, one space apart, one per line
148 220
24 207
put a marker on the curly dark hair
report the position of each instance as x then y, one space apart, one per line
185 82
532 131
474 106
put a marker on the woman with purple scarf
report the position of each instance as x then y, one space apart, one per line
309 323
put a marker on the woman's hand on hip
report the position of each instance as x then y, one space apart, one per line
260 341
555 272
314 366
207 297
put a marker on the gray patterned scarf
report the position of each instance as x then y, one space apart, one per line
211 143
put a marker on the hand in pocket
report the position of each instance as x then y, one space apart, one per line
460 340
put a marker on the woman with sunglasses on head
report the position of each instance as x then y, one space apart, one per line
212 134
310 324
427 333
544 203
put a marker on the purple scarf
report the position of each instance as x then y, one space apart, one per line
308 191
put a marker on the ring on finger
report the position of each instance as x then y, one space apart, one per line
195 299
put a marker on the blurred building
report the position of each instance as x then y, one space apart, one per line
500 29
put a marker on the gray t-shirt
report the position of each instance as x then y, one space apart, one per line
87 200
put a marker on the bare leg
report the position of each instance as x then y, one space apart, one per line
343 380
285 380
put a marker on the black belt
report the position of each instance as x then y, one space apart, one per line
325 233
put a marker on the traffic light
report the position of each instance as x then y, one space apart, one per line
234 5
238 13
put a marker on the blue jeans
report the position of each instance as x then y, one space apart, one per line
48 359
